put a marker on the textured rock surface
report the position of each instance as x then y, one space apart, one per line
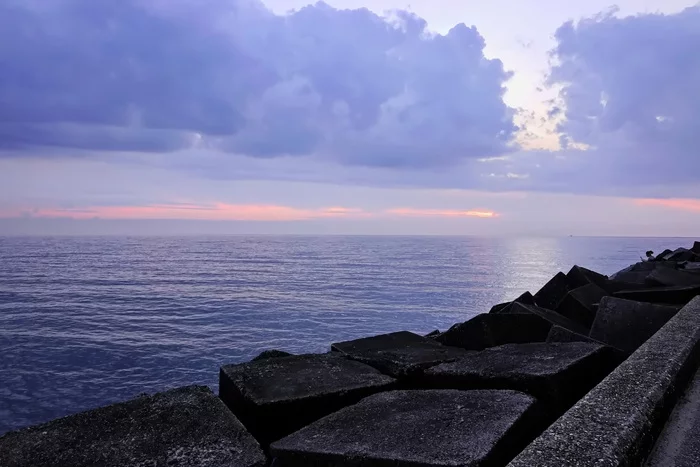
557 374
277 396
415 428
679 443
616 423
663 295
579 305
399 354
492 329
185 427
627 324
553 291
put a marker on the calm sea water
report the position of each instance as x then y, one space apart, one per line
87 321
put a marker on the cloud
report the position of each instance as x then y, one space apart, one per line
692 205
230 76
630 94
411 212
216 211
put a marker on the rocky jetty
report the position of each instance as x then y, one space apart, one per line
583 372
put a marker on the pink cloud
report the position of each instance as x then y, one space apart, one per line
411 212
672 203
217 211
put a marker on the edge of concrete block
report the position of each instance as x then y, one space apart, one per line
617 422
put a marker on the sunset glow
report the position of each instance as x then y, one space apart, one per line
440 213
677 203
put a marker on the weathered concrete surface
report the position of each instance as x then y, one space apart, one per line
399 354
277 396
616 423
435 428
493 329
672 277
552 316
273 353
579 305
553 291
186 427
558 374
627 324
679 443
662 295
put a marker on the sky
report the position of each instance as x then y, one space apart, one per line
350 117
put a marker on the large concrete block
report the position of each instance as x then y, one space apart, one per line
187 427
526 298
662 295
617 422
579 276
696 248
492 329
672 277
553 291
399 354
552 316
627 324
274 397
579 305
560 334
434 428
558 374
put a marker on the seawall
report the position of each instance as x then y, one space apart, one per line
584 372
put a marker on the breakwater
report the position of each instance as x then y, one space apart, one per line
584 372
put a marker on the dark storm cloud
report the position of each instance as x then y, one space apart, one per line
631 91
156 75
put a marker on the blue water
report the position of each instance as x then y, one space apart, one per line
87 321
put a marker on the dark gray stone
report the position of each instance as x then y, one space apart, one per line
679 443
552 316
579 305
277 396
672 277
437 428
399 354
526 298
553 291
433 334
273 353
616 423
186 427
663 254
664 295
683 254
558 374
696 248
627 324
492 329
579 276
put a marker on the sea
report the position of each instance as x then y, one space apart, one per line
89 321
